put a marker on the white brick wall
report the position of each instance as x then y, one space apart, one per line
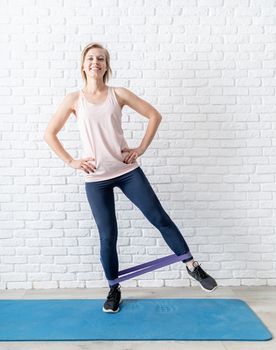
208 66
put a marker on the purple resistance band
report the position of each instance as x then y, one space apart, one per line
149 266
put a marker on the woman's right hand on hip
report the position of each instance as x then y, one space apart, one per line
84 164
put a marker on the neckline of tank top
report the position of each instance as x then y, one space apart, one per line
96 104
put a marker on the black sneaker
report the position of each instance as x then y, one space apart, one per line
113 300
206 282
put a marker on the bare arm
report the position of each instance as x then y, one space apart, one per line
153 124
147 110
56 124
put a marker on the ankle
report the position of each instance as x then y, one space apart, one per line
190 265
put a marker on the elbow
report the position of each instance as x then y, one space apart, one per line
157 117
47 136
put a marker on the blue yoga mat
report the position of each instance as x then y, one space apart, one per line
138 319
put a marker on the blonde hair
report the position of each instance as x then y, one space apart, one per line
108 72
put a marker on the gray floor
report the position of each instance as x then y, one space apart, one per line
261 299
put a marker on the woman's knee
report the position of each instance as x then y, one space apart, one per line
159 218
108 241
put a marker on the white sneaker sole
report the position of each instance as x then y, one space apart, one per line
206 290
111 311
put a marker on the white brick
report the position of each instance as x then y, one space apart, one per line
14 277
45 285
167 275
19 285
39 277
71 284
151 284
253 282
90 276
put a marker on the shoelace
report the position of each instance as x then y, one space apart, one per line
199 272
112 292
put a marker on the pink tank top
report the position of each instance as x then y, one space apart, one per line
102 137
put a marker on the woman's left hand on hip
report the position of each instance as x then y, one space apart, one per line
134 153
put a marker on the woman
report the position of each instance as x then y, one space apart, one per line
109 162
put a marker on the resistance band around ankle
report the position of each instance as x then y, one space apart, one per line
148 266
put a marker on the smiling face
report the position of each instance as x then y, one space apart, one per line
94 64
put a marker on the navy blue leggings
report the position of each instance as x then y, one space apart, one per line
137 188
